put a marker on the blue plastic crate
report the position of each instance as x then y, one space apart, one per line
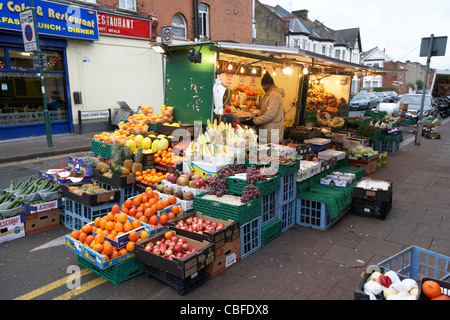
319 148
417 263
314 214
77 214
288 188
269 207
287 214
125 193
250 234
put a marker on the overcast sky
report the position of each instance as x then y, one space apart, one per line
397 26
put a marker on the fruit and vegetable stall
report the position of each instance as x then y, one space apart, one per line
183 208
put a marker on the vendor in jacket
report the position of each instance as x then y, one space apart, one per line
272 112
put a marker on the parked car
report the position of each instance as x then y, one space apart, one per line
364 101
391 96
414 101
380 96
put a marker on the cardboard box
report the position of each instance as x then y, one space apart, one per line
92 199
44 206
340 136
12 228
180 268
42 220
369 166
378 194
228 255
202 168
351 143
228 233
115 180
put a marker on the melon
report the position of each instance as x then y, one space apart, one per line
155 145
146 143
131 144
163 144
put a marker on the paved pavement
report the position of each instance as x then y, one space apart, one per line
308 264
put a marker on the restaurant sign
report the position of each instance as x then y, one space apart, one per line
114 25
54 19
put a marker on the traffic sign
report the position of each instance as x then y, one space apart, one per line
166 34
27 24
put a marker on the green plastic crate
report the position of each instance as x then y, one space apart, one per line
288 169
236 186
371 132
270 231
102 149
385 137
243 213
408 122
375 114
357 121
117 273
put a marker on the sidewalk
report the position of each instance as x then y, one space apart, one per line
308 264
36 147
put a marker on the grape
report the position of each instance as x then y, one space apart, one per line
218 187
250 193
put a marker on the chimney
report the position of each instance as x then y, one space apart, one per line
302 14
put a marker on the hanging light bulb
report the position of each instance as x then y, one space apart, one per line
305 71
254 71
242 69
230 66
274 72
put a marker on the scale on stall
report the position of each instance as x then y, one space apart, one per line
123 113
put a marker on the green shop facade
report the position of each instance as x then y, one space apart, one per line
191 70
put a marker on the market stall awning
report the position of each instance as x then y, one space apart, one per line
286 55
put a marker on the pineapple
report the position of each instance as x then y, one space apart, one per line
102 167
137 164
117 170
128 155
117 154
91 161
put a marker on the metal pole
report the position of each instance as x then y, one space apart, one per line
48 126
419 123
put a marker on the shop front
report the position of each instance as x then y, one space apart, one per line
21 98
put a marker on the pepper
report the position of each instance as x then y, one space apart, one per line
385 281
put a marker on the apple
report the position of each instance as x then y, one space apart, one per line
168 253
195 177
185 246
180 255
181 240
189 220
168 190
189 174
156 251
202 182
174 239
177 248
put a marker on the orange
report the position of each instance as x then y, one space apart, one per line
136 201
144 219
75 234
123 217
163 219
132 212
136 224
124 210
145 199
176 209
82 237
144 234
118 226
133 236
130 246
109 225
148 212
123 251
153 220
110 216
128 204
102 223
139 215
127 226
97 221
89 239
115 209
98 247
108 248
431 289
160 205
99 238
172 199
170 215
86 229
114 255
168 235
441 297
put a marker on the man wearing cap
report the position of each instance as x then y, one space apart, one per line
272 112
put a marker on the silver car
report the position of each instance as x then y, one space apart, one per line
414 101
363 101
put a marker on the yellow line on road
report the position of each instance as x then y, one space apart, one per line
85 287
51 286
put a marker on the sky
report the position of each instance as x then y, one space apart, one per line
394 25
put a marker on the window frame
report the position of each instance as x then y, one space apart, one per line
204 21
184 26
125 5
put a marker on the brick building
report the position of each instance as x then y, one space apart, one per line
396 79
217 20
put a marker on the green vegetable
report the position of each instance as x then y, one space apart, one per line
13 204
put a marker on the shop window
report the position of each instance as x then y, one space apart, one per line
337 54
127 4
179 26
54 61
203 17
21 60
295 43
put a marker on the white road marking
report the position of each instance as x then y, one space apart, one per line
56 242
